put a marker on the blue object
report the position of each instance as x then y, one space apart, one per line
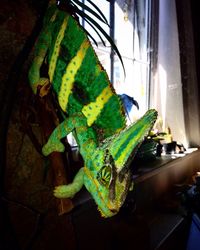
194 235
128 102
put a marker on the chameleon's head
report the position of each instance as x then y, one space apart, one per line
108 174
105 183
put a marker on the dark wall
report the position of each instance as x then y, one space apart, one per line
195 10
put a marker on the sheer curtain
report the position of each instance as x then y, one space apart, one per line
167 96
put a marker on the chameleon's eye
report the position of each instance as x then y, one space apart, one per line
104 176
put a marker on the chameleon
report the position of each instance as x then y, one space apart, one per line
92 112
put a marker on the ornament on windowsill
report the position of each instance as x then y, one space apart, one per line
126 9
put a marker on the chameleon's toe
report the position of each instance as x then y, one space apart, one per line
41 87
44 87
61 192
53 147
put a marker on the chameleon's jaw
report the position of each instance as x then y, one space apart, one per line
113 207
107 205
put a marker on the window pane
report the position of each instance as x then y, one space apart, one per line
131 36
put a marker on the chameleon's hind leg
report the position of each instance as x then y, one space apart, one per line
68 191
61 131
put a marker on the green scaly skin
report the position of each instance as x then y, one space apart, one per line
94 112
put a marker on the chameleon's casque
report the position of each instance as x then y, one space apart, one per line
93 112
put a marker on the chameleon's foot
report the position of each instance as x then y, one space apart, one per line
62 192
51 147
68 191
43 87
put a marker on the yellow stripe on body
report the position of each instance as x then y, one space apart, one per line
56 49
70 73
93 109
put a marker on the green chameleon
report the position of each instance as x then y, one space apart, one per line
93 112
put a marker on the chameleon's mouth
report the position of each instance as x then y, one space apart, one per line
114 211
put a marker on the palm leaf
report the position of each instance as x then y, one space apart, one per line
77 10
85 7
96 32
94 23
100 12
89 35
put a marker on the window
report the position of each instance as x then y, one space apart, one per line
132 36
147 36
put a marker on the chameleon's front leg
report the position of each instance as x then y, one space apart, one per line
68 191
61 131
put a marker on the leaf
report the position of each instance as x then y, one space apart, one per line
89 35
100 12
85 7
110 40
81 13
96 32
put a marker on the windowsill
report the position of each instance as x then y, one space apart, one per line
164 174
153 167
